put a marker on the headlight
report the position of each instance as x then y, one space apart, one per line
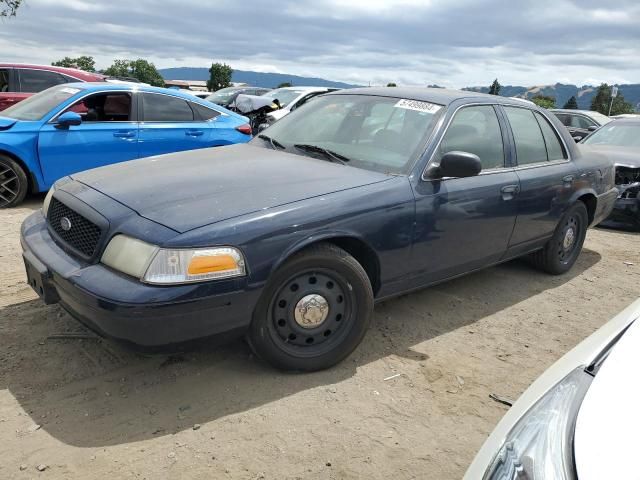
47 201
540 445
161 266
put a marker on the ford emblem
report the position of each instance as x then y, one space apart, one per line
65 224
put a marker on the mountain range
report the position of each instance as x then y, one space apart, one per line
257 79
561 92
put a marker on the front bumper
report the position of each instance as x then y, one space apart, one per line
626 213
121 307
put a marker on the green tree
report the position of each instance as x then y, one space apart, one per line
572 103
391 84
285 84
601 102
544 101
495 87
88 64
140 69
219 76
8 8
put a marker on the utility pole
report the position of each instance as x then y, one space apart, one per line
614 94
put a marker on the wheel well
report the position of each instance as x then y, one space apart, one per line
31 181
364 254
591 203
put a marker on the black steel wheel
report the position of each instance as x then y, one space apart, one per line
13 183
562 251
314 311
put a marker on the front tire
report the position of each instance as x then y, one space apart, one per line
562 251
13 183
314 311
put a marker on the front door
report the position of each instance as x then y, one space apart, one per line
108 134
465 223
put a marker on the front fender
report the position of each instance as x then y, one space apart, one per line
25 151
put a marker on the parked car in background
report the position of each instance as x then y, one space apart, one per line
19 81
620 141
291 98
579 420
77 126
580 122
359 196
226 96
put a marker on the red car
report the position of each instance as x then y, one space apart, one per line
19 81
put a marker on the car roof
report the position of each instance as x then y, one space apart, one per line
310 89
72 72
137 87
440 96
573 110
625 121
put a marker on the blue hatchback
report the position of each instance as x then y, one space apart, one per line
79 126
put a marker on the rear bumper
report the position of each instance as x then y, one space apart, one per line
123 308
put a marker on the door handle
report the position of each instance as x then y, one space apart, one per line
509 191
129 134
567 180
194 133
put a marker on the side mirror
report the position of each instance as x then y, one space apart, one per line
592 128
68 119
456 164
577 138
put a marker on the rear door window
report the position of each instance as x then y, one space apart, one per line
165 108
34 81
555 150
530 146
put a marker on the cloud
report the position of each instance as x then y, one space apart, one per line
453 43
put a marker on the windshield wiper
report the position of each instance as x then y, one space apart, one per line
274 143
329 154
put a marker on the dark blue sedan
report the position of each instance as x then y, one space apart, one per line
78 126
358 196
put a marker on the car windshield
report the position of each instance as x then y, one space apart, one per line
375 133
223 95
37 106
618 134
600 118
284 95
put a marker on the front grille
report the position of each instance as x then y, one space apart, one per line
73 229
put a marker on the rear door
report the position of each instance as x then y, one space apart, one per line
108 134
170 124
465 223
546 176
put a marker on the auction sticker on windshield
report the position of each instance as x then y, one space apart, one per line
418 106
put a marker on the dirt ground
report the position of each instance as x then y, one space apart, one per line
411 402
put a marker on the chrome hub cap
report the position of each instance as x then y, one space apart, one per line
311 311
569 238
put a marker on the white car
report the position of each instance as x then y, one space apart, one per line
291 98
579 420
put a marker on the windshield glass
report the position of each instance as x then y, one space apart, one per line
223 95
618 134
375 133
38 105
600 118
284 95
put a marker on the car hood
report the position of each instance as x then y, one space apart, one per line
6 123
621 156
188 190
608 422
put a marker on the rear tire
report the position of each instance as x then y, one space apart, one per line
563 249
314 311
13 183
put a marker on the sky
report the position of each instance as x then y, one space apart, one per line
453 43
